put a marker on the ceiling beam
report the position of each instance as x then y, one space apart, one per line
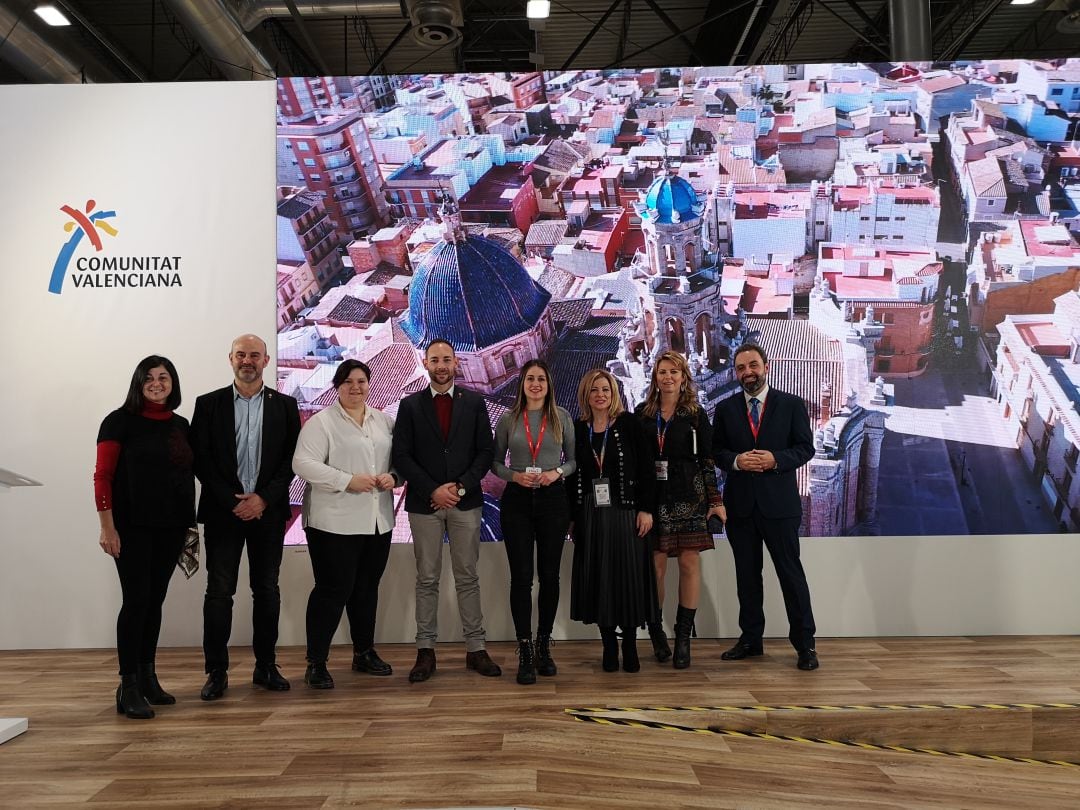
592 33
312 52
674 29
954 48
826 7
687 30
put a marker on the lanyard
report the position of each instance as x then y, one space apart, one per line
761 418
662 429
534 449
603 449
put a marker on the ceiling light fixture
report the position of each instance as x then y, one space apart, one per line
51 15
537 9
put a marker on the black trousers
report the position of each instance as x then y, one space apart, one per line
781 538
146 563
225 541
347 569
534 521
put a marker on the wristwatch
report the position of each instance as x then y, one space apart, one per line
460 490
559 470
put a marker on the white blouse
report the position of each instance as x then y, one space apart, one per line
333 447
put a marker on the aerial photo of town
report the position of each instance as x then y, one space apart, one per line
901 238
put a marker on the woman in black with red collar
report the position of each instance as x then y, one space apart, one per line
144 491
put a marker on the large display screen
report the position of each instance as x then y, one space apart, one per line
901 240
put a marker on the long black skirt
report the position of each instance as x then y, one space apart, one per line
613 582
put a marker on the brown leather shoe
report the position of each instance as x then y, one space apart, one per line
424 667
482 663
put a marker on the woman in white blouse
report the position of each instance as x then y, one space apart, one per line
344 454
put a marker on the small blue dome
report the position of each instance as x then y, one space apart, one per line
671 199
472 293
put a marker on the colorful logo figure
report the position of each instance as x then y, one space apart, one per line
81 224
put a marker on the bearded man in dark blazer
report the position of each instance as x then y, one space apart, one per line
443 447
760 438
243 436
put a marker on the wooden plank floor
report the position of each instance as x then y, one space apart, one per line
461 740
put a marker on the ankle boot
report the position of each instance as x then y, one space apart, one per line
544 664
684 626
526 673
630 660
130 699
611 649
660 646
151 688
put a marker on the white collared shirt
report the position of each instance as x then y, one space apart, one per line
435 393
760 396
333 447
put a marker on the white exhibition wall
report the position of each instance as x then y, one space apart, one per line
189 171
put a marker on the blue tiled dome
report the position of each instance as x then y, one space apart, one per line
673 199
473 293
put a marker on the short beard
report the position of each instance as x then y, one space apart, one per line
757 388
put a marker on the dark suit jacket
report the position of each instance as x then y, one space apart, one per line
426 461
213 438
785 431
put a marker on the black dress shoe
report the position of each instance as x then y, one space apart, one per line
742 650
424 667
270 677
807 660
217 681
318 677
370 663
482 663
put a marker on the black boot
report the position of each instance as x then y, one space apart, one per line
684 626
526 673
611 649
630 660
130 699
660 646
151 689
544 664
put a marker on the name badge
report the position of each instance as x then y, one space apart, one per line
602 491
661 470
533 470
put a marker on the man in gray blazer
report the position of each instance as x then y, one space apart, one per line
443 447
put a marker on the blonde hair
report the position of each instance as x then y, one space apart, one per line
687 395
616 406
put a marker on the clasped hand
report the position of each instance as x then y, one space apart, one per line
533 480
364 482
756 461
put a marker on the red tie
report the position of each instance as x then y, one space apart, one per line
443 408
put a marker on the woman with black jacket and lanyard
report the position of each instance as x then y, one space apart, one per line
678 429
613 584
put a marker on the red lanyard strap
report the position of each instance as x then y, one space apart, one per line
534 449
603 449
662 429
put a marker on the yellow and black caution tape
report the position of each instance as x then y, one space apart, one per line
587 716
821 707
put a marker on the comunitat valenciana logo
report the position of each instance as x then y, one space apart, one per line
103 268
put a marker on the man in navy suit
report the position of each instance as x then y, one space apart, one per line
443 447
243 436
760 438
